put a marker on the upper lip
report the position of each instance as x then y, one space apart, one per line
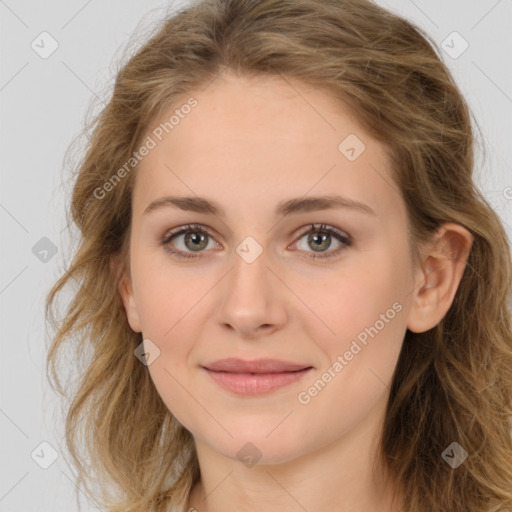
234 365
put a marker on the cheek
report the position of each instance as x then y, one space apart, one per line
364 297
365 310
172 310
171 317
166 297
367 316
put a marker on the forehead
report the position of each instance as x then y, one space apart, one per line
259 138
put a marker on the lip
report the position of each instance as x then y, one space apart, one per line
255 377
235 365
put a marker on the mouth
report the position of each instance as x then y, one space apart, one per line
256 377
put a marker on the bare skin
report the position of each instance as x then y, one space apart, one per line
249 145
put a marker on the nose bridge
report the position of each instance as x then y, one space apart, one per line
251 295
249 277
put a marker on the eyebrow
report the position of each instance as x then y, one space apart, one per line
290 206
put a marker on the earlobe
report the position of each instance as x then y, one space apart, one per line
439 277
125 290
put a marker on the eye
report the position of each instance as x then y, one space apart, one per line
320 238
196 239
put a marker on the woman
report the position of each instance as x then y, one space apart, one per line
292 293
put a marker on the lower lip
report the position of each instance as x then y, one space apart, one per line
255 383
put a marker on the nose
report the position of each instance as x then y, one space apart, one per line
253 298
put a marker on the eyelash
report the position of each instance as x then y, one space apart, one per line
346 241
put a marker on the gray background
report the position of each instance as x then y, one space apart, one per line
43 104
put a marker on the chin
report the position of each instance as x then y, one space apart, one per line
255 445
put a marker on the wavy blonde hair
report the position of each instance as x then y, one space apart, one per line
451 383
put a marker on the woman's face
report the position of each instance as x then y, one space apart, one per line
261 282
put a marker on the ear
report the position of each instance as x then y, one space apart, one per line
125 290
438 277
